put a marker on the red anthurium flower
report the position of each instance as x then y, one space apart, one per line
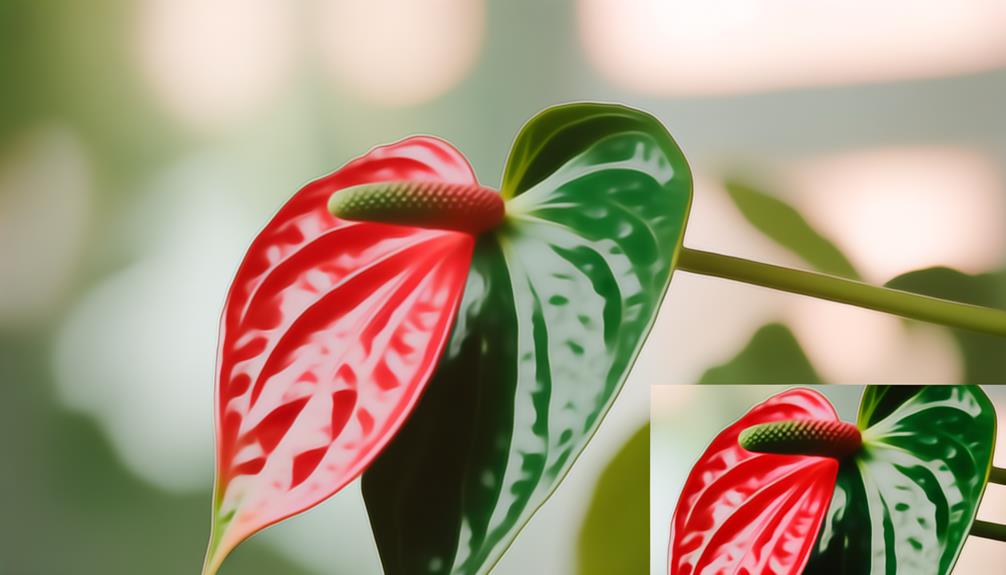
743 511
319 305
338 319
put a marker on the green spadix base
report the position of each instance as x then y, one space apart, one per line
835 439
462 207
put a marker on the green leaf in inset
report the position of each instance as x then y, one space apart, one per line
786 226
772 356
615 537
906 502
557 305
984 355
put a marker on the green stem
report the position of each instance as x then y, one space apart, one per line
846 291
998 476
988 530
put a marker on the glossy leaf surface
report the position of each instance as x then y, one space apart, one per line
330 332
906 502
742 512
557 305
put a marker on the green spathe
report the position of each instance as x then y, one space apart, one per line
906 502
559 300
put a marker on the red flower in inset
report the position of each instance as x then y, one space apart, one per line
742 511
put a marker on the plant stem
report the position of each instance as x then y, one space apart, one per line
988 530
906 304
998 476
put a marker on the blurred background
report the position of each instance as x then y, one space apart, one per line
143 143
686 419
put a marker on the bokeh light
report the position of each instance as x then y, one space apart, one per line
45 208
212 64
894 210
148 378
400 52
852 345
683 47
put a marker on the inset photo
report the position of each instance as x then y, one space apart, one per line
851 480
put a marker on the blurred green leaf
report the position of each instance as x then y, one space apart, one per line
787 227
74 65
984 355
615 537
773 356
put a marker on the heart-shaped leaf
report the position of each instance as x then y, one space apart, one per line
744 512
906 502
330 332
557 305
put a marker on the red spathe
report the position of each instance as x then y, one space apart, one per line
742 512
330 333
